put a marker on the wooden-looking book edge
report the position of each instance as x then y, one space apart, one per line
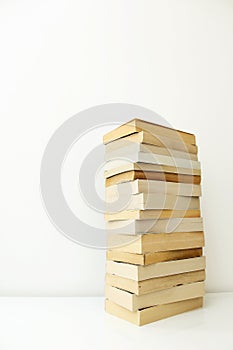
154 313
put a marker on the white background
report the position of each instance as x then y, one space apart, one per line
60 57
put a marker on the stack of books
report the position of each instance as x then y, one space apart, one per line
155 265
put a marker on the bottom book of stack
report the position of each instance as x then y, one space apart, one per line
153 313
144 284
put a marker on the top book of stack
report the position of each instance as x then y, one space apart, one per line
148 133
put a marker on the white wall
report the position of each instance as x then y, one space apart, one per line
59 57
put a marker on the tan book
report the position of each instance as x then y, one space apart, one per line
133 302
155 226
144 201
160 141
152 258
154 313
126 145
140 273
137 125
150 243
152 175
154 284
151 214
152 186
148 167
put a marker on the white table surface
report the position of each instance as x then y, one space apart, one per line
81 323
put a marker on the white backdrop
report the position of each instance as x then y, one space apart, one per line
60 57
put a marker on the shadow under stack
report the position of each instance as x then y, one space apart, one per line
155 265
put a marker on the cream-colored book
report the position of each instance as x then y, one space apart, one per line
137 125
117 159
125 146
154 313
150 243
152 258
140 273
152 186
133 302
151 214
154 284
148 167
154 226
143 201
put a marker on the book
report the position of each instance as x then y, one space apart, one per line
143 201
155 140
152 258
136 125
119 158
135 302
150 175
154 284
149 243
151 214
113 168
152 186
154 226
154 313
140 273
126 146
